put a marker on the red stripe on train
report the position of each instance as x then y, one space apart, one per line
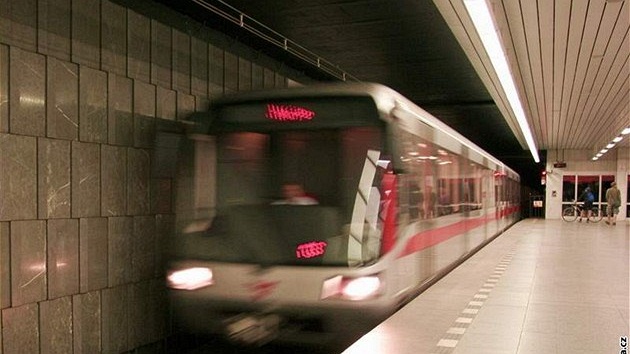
432 237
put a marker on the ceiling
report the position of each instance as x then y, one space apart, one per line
569 59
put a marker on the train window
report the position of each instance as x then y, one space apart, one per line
251 168
437 181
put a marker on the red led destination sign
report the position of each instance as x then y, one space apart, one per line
288 113
311 249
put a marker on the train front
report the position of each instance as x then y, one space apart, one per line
275 239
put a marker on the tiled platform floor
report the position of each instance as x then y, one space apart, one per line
544 287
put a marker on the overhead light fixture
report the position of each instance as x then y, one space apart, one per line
481 17
612 144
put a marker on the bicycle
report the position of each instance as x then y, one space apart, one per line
573 211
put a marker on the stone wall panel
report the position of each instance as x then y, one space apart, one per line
28 262
18 177
62 108
54 178
86 180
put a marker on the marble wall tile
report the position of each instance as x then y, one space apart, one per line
114 32
161 196
18 23
185 105
164 162
143 251
28 262
86 32
115 331
18 176
63 257
244 74
54 178
53 31
20 329
215 71
140 315
4 88
161 54
86 322
144 99
120 236
27 90
114 180
231 73
199 67
144 131
159 318
257 77
281 81
55 323
86 180
5 266
144 114
139 47
165 229
92 105
138 188
202 104
181 61
62 108
120 112
93 255
166 103
269 78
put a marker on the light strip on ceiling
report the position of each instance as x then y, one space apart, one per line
612 144
484 24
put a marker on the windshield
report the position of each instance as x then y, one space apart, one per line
287 197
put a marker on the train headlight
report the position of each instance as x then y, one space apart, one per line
356 289
189 278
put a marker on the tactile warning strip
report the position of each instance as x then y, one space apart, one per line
451 338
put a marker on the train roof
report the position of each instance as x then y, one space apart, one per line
385 99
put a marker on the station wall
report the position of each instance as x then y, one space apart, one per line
578 162
84 85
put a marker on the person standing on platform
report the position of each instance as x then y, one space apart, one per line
613 198
588 198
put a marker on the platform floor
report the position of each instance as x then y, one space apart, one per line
543 286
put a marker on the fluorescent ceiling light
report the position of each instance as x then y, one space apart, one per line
617 139
484 24
610 146
626 131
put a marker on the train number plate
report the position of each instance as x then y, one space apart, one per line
252 329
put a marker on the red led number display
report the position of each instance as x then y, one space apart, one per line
311 249
288 113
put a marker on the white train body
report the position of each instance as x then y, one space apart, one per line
402 198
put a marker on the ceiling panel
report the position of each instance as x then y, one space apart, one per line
570 61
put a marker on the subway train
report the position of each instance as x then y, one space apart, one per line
311 213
